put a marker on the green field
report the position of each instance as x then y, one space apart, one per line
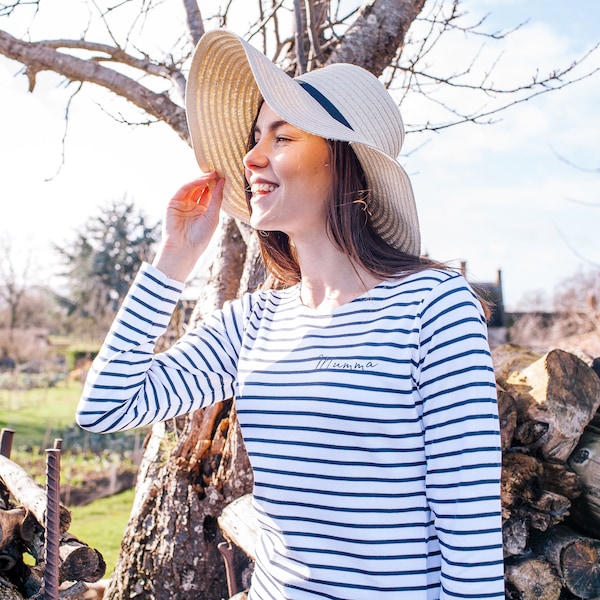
101 525
38 416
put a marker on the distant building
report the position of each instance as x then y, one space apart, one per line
491 293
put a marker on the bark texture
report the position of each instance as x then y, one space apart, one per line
378 34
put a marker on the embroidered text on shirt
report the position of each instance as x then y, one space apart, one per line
345 365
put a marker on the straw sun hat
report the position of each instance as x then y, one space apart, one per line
229 77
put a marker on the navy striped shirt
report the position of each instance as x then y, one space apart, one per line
372 429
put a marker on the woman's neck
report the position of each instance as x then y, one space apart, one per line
330 278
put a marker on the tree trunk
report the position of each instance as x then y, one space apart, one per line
191 470
377 34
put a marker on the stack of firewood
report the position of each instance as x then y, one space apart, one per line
24 537
550 425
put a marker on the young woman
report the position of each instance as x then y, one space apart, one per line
363 380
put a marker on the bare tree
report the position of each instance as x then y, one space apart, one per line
14 279
577 300
196 465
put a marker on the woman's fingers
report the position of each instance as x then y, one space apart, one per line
193 212
195 193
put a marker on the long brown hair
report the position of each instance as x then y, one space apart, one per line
348 225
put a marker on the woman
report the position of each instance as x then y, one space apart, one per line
363 383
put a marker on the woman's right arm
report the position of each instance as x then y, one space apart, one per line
128 385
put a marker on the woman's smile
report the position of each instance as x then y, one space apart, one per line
262 189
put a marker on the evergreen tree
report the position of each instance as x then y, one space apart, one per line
102 260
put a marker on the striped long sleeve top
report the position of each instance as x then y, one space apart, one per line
372 429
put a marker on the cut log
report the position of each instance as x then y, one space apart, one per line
548 510
530 435
76 591
585 461
524 496
8 591
515 536
28 493
558 389
509 358
79 562
575 558
562 479
507 413
522 481
532 578
33 580
239 525
10 525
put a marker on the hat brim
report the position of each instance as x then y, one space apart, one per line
228 79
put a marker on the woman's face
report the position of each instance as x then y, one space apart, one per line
289 176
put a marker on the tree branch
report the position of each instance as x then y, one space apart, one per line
299 19
115 54
553 82
194 20
312 29
39 56
378 31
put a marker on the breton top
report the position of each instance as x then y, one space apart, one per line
372 429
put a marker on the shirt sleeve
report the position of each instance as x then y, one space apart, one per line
130 386
462 442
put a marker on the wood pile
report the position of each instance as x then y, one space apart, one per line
25 535
548 406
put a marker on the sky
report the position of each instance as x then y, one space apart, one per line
520 195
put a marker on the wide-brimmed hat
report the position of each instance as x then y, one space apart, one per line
228 79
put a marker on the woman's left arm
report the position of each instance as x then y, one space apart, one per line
462 442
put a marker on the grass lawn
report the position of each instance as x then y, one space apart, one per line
101 525
39 415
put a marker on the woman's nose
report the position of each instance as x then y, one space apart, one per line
255 157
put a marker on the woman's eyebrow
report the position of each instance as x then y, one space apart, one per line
272 126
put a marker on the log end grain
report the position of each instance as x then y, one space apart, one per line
581 568
532 578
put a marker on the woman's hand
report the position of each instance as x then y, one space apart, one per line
191 219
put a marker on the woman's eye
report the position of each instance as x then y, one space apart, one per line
282 138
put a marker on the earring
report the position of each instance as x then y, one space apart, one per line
263 233
364 206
